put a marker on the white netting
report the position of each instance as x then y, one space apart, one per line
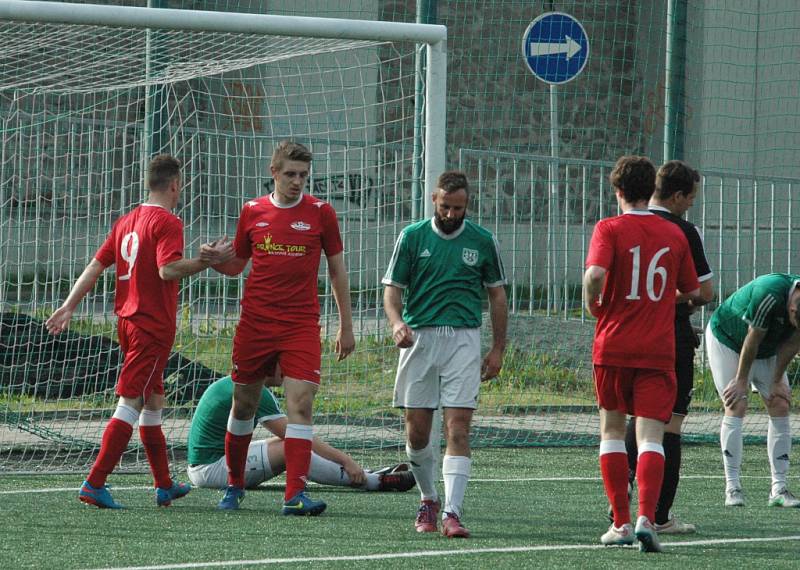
81 109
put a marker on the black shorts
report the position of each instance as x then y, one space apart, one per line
686 341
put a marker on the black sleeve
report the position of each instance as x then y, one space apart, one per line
698 252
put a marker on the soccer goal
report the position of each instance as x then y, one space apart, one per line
89 93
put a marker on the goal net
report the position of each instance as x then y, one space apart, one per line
82 108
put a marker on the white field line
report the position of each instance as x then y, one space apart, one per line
476 480
441 553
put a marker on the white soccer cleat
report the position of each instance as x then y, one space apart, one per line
675 526
622 536
784 498
647 535
734 498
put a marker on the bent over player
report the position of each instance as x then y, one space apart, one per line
147 247
636 262
750 340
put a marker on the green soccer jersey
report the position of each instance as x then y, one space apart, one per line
761 304
210 421
443 275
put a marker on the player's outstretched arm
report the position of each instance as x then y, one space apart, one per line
787 350
498 311
181 268
402 335
60 318
353 469
340 284
221 257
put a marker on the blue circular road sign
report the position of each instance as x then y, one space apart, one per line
555 47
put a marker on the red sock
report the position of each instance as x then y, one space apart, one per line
614 468
649 476
155 447
236 447
114 443
298 459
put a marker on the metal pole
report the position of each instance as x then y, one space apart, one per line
426 14
553 285
674 81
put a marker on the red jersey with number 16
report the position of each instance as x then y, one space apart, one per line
646 258
140 242
286 243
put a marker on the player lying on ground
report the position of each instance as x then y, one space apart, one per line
265 458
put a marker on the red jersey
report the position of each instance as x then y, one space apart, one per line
140 242
646 258
285 243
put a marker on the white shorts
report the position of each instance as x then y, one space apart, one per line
724 362
442 368
215 475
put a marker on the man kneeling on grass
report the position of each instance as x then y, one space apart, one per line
265 458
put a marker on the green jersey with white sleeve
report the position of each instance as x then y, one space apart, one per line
761 304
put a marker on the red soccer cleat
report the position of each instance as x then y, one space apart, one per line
426 516
452 527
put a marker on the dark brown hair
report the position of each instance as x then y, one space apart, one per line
453 181
635 177
673 177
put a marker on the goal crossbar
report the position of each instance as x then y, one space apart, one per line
434 36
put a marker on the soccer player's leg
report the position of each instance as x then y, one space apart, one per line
724 363
119 429
460 367
416 391
613 390
253 357
654 393
779 438
300 363
666 522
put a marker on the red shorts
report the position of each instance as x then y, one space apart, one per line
258 346
146 357
640 392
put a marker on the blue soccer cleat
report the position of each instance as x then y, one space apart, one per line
164 497
301 504
100 498
232 499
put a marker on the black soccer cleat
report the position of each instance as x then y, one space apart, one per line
395 478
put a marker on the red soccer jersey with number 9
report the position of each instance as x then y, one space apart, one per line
140 242
647 258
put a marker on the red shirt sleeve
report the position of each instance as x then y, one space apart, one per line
601 248
331 237
169 246
241 243
107 253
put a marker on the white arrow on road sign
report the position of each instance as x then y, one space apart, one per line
570 47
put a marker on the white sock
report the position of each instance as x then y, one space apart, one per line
126 414
456 470
779 444
730 439
240 427
327 472
150 418
423 468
